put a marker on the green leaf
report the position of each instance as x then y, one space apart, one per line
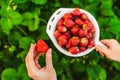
95 72
16 17
108 3
9 74
116 65
116 77
63 77
103 22
79 67
92 74
37 11
25 42
42 33
94 57
22 72
34 24
31 19
102 75
27 15
107 13
59 69
78 2
14 37
19 1
22 55
54 57
104 34
39 1
4 10
114 26
6 25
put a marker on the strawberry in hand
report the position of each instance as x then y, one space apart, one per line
41 46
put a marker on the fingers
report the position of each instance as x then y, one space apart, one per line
30 63
109 42
102 50
49 59
36 60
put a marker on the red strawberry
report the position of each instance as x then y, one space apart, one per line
85 27
75 41
68 34
83 41
57 34
75 30
92 30
62 28
89 24
68 45
60 22
87 21
82 48
67 16
41 46
91 43
82 33
83 16
76 12
74 50
69 23
79 22
89 35
62 40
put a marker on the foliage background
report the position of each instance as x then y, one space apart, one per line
24 21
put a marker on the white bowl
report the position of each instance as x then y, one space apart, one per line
51 26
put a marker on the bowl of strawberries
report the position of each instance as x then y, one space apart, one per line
73 31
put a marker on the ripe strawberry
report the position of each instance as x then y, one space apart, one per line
83 41
82 33
62 40
68 45
89 24
74 50
75 30
68 34
83 16
41 46
82 48
79 22
87 21
75 41
60 22
57 34
62 28
69 23
85 27
76 12
92 30
89 35
67 16
91 43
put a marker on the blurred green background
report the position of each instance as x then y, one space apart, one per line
23 22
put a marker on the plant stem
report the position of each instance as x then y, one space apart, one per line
22 30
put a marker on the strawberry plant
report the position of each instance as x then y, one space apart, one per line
23 22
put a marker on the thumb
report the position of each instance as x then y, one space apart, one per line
49 58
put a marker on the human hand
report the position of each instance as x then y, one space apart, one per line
35 71
113 50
